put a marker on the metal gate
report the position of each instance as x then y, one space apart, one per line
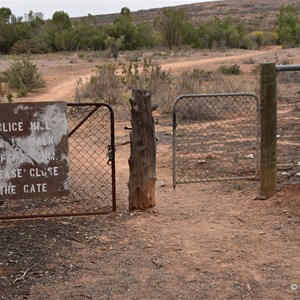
215 137
92 168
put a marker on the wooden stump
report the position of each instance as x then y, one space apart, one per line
142 161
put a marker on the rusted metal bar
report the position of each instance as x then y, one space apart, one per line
82 121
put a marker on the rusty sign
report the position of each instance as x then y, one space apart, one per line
33 150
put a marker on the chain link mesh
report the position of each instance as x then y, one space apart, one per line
288 127
91 169
215 137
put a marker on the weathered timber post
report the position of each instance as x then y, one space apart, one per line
268 119
142 161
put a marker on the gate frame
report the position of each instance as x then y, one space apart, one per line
174 124
112 146
111 161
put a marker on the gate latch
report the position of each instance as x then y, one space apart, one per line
110 155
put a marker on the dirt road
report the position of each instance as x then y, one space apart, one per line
62 84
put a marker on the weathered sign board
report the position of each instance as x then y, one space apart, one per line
33 150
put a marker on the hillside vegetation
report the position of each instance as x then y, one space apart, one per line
210 25
256 14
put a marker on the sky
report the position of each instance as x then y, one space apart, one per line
83 8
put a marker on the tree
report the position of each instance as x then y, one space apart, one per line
5 14
258 38
288 26
217 32
53 33
144 35
35 21
123 26
233 35
89 37
172 26
61 21
11 30
114 45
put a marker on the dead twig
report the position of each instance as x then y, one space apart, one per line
157 264
87 296
23 276
241 220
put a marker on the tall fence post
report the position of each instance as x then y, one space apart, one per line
268 120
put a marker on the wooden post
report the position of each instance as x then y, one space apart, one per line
142 161
268 119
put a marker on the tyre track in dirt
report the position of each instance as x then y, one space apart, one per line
200 62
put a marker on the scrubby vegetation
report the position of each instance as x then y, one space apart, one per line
104 84
112 85
289 26
172 28
23 76
113 82
230 70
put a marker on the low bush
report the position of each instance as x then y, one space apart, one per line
191 82
29 46
111 84
230 70
103 86
249 61
148 76
23 76
10 98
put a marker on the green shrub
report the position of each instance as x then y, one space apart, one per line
10 98
22 91
230 70
23 76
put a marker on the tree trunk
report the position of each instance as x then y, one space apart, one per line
142 161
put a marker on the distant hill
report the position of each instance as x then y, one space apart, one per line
257 14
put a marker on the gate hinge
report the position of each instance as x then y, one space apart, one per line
259 108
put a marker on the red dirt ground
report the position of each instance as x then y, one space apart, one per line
201 241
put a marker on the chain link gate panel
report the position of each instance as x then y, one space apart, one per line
92 168
215 137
